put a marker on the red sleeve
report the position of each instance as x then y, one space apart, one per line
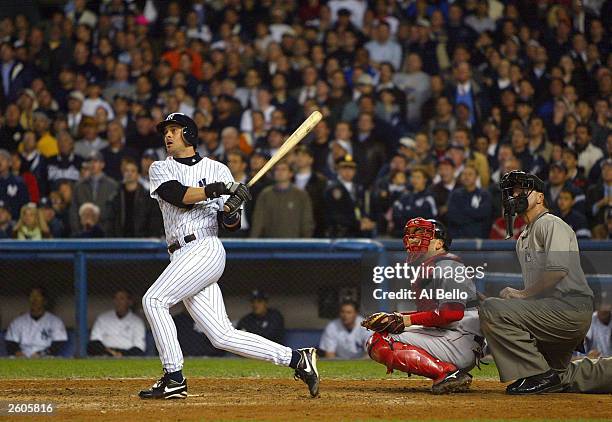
448 312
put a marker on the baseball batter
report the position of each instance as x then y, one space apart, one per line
442 339
196 196
533 332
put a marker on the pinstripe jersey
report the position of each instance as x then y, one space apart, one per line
180 222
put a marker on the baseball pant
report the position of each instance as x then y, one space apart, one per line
447 345
530 337
192 278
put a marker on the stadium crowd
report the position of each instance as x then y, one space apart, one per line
426 104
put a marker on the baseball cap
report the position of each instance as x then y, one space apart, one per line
423 22
95 156
44 202
365 79
303 149
455 145
559 165
346 161
262 152
407 142
258 294
77 95
150 154
446 160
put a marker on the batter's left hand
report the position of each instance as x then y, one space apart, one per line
510 293
241 191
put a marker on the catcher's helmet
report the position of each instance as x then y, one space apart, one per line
425 231
190 129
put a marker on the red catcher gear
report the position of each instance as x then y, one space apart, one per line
407 358
423 230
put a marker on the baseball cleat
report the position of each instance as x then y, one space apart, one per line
165 388
455 382
307 370
548 382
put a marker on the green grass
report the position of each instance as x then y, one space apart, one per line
194 367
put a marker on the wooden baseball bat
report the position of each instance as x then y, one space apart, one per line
299 134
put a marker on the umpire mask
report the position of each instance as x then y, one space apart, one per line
517 204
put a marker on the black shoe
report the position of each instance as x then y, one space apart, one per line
548 382
165 388
307 370
456 382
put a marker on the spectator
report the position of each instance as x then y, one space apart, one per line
382 48
13 191
90 141
116 151
15 75
48 214
282 210
36 333
464 89
369 150
75 115
575 175
31 224
32 161
461 137
599 338
263 320
89 227
133 212
344 337
599 196
11 130
443 188
312 182
118 332
46 144
344 202
98 189
576 220
66 165
588 154
416 86
469 208
418 203
6 221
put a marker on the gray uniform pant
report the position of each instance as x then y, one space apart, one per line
529 337
447 345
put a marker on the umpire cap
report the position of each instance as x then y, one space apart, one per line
190 129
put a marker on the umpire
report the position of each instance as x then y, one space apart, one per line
533 332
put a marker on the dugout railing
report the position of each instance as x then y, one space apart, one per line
305 278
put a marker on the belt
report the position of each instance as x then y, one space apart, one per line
173 247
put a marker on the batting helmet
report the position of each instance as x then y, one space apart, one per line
425 231
190 129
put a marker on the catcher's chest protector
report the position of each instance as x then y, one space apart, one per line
427 281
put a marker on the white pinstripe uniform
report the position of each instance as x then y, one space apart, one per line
194 271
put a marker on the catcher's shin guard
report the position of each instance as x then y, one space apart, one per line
407 358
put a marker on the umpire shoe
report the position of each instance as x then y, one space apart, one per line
307 370
456 382
165 388
548 382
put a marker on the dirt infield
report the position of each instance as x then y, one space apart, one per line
285 399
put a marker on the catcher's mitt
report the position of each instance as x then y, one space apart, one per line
384 322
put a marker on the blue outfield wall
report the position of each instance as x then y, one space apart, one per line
80 252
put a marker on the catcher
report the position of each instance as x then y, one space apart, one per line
441 340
